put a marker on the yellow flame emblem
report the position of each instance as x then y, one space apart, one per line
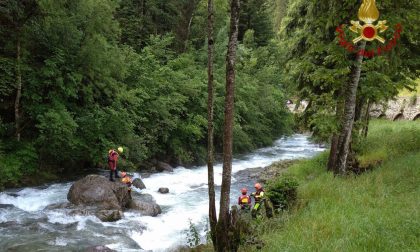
368 13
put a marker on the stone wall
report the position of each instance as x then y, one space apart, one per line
401 108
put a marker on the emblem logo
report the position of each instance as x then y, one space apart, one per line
368 31
368 13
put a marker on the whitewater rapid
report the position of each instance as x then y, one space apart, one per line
26 226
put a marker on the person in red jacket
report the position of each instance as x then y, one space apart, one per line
112 162
244 200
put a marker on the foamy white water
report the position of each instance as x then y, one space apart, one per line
26 225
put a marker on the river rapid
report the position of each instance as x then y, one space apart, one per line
25 224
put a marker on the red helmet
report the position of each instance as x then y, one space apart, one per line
258 186
244 190
123 174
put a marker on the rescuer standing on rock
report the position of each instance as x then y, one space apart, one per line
112 162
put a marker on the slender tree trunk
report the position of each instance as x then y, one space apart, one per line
189 29
366 120
210 113
332 160
223 225
349 113
18 90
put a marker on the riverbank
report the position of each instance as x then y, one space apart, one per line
376 211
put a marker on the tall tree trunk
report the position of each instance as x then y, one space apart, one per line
18 90
223 225
210 113
332 159
349 113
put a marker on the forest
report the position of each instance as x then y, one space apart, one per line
81 77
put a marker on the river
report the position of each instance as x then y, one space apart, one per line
26 226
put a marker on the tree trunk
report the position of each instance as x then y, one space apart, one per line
366 120
210 113
349 113
332 160
18 90
223 238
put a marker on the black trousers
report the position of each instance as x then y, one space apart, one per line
112 172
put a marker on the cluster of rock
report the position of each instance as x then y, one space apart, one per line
262 175
95 194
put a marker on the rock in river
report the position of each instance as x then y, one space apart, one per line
146 205
138 183
109 215
163 190
96 190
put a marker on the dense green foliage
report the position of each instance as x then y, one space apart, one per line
376 211
282 192
96 76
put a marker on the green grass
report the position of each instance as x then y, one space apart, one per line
376 211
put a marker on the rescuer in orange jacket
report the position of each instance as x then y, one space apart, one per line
126 180
244 200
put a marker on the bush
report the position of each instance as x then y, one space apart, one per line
17 164
193 237
283 191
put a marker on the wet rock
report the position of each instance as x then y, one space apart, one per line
15 195
146 174
163 190
99 249
162 166
96 190
262 175
145 208
138 183
109 215
64 205
82 212
8 224
3 206
246 175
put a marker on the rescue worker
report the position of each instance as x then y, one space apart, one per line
244 200
259 199
112 162
126 180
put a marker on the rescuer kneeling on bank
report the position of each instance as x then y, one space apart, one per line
244 201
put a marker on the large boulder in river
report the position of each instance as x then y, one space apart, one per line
145 208
96 190
161 166
145 204
138 183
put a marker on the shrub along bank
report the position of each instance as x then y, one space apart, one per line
375 211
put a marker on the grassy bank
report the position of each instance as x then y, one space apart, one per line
376 211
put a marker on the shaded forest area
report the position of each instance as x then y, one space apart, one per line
80 77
